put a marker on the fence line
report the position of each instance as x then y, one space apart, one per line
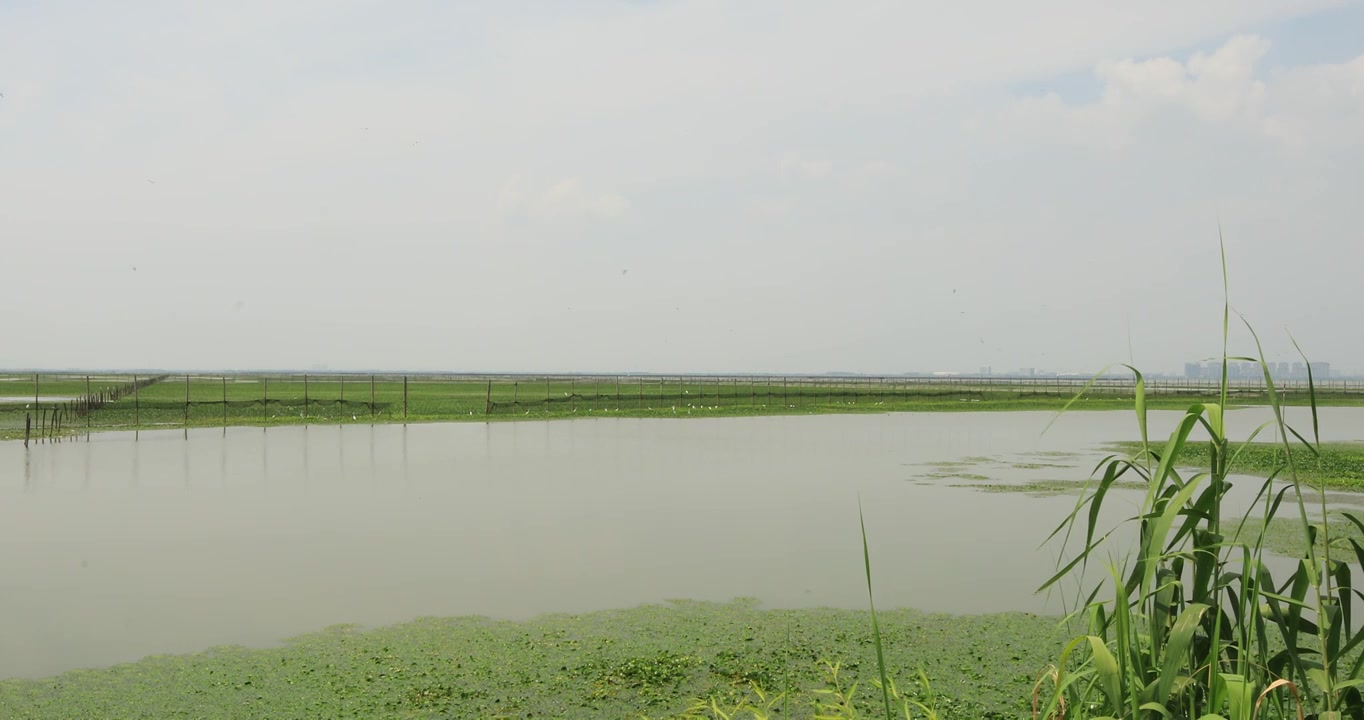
225 399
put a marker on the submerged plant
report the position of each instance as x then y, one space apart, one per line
1193 624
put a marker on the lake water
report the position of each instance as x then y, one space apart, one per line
116 548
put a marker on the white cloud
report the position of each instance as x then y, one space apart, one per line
1224 90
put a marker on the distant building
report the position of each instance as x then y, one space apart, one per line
1193 371
1321 370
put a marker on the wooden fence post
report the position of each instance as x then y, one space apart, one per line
187 406
265 403
404 399
87 403
28 427
305 398
224 402
488 400
371 396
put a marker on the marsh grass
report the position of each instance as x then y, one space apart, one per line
1192 623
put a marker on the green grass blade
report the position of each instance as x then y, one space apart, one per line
875 626
1311 390
1177 649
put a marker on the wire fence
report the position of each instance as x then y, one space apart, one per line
48 406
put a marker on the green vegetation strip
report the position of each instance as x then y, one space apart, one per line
1047 488
256 400
1339 465
653 660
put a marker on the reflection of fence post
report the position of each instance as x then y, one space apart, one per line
404 399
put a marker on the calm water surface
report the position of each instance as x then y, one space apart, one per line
117 548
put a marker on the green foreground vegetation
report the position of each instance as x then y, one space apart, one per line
258 400
650 661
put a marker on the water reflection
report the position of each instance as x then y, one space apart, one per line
246 538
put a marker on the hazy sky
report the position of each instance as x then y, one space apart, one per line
677 185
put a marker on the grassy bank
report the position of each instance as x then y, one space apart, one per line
264 401
615 664
1337 466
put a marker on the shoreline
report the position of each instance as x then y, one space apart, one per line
1026 404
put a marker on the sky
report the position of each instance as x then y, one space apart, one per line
678 185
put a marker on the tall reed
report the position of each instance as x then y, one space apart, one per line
1192 623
